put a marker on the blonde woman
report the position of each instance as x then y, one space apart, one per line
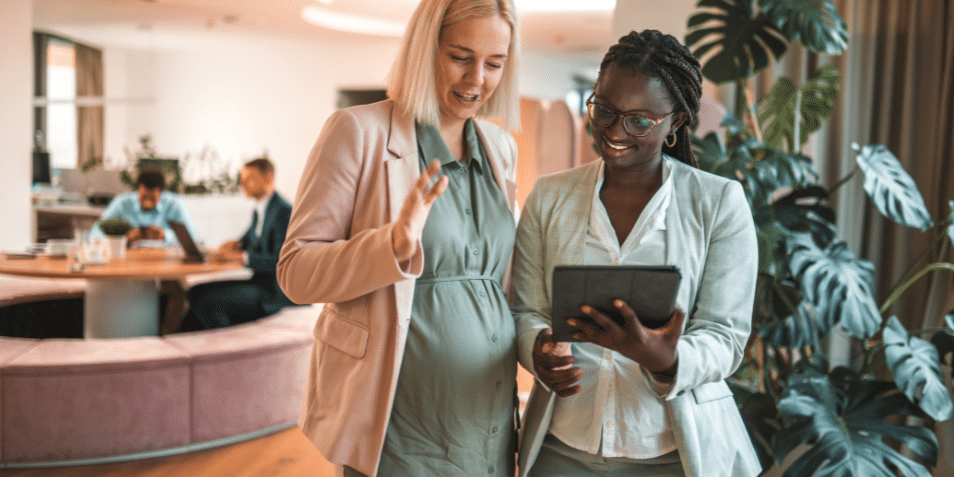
403 226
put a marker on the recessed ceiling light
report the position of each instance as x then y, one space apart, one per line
352 23
554 6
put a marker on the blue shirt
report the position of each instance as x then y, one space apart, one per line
169 208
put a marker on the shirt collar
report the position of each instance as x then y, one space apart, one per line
432 145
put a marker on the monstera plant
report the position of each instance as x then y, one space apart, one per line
806 416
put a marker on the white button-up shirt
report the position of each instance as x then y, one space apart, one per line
616 411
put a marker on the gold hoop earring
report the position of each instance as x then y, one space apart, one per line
673 143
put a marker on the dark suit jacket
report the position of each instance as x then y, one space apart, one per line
263 251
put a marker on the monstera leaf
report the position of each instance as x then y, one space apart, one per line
814 23
944 340
763 171
760 414
916 369
708 150
777 111
800 328
795 211
738 41
950 223
891 189
838 284
843 423
804 210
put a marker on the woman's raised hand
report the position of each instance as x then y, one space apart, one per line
410 224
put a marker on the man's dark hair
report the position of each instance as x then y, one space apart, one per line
262 164
151 179
659 55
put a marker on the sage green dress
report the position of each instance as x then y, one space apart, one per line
453 410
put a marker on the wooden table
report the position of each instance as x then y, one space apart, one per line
122 298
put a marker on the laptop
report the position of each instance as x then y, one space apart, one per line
189 247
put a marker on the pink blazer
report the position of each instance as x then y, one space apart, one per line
338 251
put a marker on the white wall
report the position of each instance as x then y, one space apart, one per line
16 119
267 94
667 16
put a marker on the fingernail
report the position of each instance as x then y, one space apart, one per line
585 309
578 336
618 303
571 322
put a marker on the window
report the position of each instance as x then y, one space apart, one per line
59 136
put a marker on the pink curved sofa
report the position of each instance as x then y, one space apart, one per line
74 401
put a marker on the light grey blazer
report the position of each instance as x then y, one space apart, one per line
710 236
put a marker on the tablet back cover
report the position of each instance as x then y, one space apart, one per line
650 290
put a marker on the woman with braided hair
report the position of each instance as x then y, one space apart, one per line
626 399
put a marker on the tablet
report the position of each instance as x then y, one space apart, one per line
649 290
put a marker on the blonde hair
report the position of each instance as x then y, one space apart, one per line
411 81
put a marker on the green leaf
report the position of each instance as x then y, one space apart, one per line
838 284
944 340
800 328
732 40
950 223
917 371
763 171
708 150
891 189
804 210
777 109
843 423
760 415
813 23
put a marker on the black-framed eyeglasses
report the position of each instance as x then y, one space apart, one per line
634 123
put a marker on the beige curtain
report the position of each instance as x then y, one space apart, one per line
90 123
898 90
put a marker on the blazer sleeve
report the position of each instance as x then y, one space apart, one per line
718 327
323 260
531 306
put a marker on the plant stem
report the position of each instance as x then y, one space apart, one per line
843 180
899 290
752 108
907 274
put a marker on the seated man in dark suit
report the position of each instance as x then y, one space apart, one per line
225 303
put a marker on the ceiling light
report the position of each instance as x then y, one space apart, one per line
352 23
557 6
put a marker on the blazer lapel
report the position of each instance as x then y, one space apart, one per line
402 166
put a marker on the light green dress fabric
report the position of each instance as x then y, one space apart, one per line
453 410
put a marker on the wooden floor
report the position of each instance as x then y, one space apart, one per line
286 453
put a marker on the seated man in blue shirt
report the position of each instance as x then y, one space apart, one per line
225 303
149 210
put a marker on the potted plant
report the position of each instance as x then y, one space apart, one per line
115 230
805 415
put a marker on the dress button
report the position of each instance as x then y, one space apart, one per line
483 293
490 470
476 252
494 430
494 337
609 423
499 385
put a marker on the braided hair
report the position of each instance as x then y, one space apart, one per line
662 56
